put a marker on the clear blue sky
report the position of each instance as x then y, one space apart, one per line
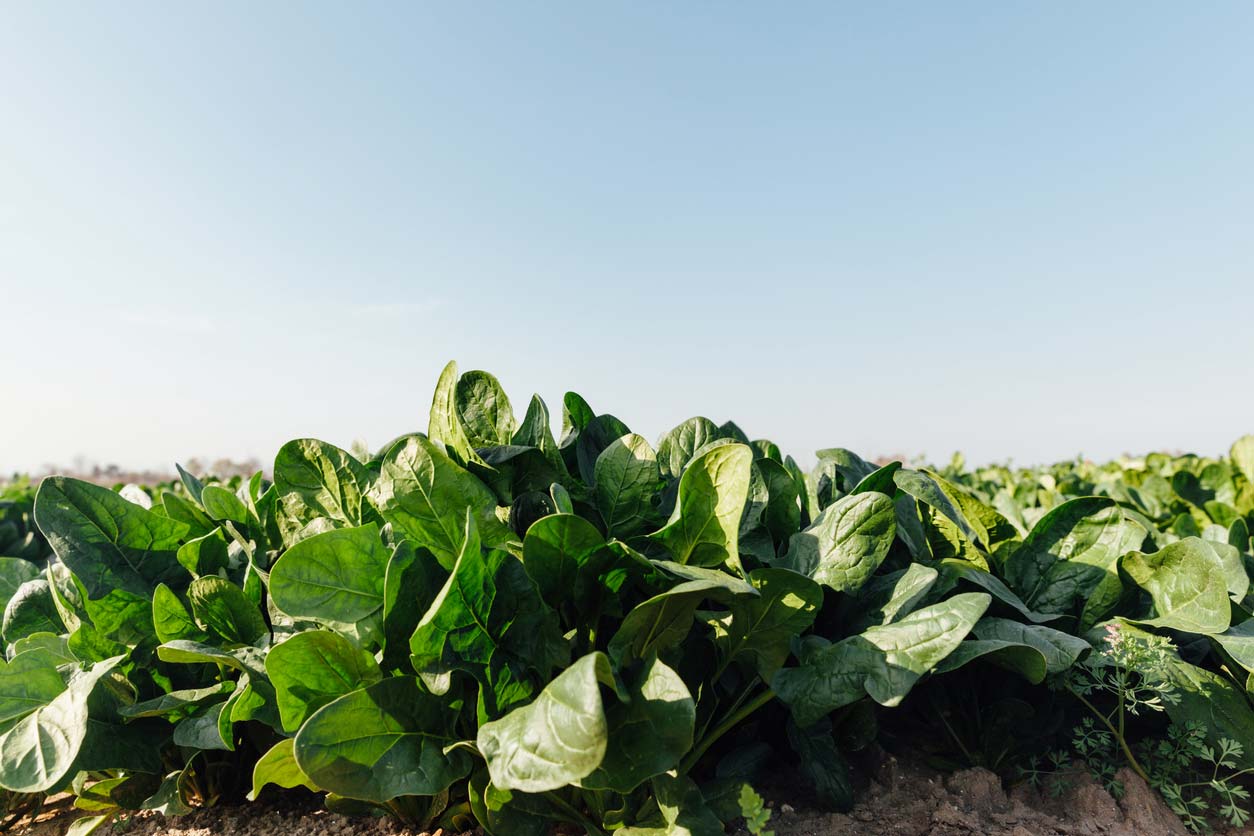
1018 229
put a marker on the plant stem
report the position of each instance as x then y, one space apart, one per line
573 815
1123 744
729 722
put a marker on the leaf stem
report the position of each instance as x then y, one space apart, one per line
573 815
729 722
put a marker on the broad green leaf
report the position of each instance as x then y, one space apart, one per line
205 555
220 607
1026 661
678 447
487 620
107 542
663 621
175 702
648 734
206 729
170 619
593 440
684 811
413 578
704 528
760 628
931 491
886 598
557 740
884 662
1186 584
847 543
627 477
382 742
13 573
336 576
565 555
445 426
31 610
38 751
319 481
313 668
425 496
1242 454
1070 557
221 504
27 682
278 766
483 409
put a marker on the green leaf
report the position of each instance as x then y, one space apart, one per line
558 739
107 542
170 619
220 606
663 621
627 477
1070 557
336 576
205 555
38 751
483 410
319 481
425 496
679 446
176 702
884 662
847 543
760 628
445 425
565 556
313 668
382 742
27 682
683 809
31 610
14 571
886 598
487 619
278 766
649 733
1186 584
222 504
1242 454
413 579
705 526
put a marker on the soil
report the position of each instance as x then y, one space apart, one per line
900 800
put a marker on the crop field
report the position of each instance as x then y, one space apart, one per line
484 625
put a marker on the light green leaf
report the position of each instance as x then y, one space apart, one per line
425 495
278 766
335 576
313 668
1185 581
705 526
556 740
648 734
847 543
883 662
627 477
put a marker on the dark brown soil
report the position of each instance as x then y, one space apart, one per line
901 800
